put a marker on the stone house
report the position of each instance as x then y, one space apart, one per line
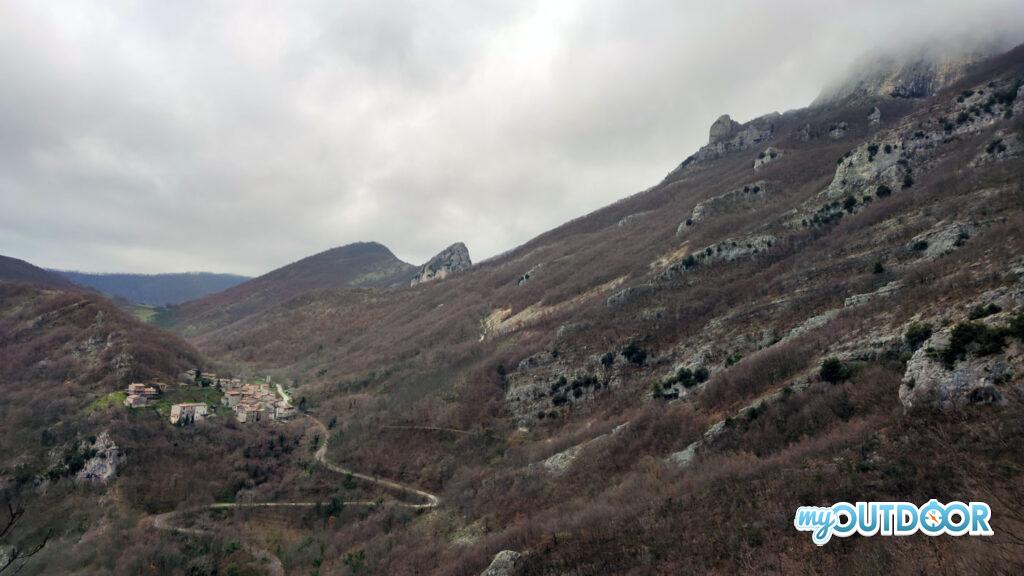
146 390
283 411
136 401
249 411
188 412
231 398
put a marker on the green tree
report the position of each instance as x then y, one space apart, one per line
634 354
917 333
701 374
834 370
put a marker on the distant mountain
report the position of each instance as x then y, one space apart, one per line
358 265
155 289
14 270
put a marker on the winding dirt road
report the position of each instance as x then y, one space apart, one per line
273 563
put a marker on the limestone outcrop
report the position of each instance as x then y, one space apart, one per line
940 241
723 129
545 385
724 251
928 382
528 275
504 564
838 130
748 197
1004 147
914 73
102 466
454 258
727 135
867 167
769 155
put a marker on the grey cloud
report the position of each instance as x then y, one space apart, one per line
190 135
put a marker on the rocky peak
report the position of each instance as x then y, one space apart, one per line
915 72
723 129
727 135
454 258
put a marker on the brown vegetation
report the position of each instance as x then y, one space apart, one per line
372 361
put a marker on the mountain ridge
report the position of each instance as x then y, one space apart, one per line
17 270
355 265
155 289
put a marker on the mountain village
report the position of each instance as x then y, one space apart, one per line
249 401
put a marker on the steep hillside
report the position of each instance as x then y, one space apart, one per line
14 270
664 358
64 350
155 289
365 264
83 473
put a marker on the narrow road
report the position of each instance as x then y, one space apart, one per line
429 500
425 429
274 565
283 394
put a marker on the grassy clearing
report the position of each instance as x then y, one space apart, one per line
143 313
104 402
164 316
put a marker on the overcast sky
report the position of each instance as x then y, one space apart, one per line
240 136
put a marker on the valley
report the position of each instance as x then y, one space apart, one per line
822 305
166 520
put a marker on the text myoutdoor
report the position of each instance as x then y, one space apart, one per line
893 519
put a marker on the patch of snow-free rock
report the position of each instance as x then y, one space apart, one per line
102 467
928 382
504 564
454 258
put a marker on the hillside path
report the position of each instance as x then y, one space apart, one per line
273 563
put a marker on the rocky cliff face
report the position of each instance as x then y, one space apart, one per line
723 128
105 460
727 135
974 380
504 564
916 73
454 258
749 197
